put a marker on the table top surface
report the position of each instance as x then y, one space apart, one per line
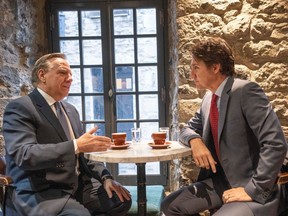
141 153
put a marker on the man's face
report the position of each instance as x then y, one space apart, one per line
57 80
203 76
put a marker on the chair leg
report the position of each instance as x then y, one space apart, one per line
4 201
285 213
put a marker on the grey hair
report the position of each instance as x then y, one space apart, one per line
44 64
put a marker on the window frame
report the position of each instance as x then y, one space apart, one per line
107 20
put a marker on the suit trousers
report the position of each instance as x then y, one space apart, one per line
46 207
94 197
198 197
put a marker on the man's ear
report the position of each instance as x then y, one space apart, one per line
41 75
216 68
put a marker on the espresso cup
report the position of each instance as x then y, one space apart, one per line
159 138
119 138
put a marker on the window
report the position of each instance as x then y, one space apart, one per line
116 52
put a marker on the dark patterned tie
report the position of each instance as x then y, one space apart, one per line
62 118
214 122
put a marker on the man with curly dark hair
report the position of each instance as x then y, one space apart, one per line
235 138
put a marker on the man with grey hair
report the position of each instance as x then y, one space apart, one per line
45 147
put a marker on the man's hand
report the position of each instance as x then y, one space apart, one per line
111 185
202 155
235 194
88 142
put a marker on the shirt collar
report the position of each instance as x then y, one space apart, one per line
50 100
219 90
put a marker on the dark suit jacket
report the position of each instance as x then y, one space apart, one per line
251 142
39 157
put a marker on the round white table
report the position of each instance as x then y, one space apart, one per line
140 154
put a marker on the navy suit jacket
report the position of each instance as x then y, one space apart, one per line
251 142
39 157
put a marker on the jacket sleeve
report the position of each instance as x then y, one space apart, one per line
195 126
192 130
266 127
21 123
95 169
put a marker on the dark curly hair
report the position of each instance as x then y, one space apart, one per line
215 51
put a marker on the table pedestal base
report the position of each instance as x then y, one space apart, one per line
141 189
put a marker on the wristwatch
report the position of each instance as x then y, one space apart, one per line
104 178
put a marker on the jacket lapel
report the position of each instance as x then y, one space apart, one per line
43 107
71 116
206 112
223 105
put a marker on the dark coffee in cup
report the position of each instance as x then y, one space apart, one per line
119 138
159 138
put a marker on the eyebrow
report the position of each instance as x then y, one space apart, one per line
194 63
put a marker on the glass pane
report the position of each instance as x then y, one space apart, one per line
127 169
71 49
94 108
146 21
76 84
152 168
123 21
124 51
147 50
125 79
76 102
125 107
148 106
126 128
93 80
92 52
91 23
147 78
68 23
101 128
147 129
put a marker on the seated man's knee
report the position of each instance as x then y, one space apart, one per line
235 209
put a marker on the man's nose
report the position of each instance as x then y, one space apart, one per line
192 74
70 78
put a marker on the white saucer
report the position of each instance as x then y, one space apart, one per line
159 146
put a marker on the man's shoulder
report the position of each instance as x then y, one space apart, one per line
20 104
19 100
244 84
69 106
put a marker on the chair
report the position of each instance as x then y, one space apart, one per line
155 194
5 181
283 179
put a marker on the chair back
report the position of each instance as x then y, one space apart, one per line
5 181
2 164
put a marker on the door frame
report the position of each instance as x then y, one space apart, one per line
163 79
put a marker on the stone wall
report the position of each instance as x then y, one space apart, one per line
23 40
257 30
